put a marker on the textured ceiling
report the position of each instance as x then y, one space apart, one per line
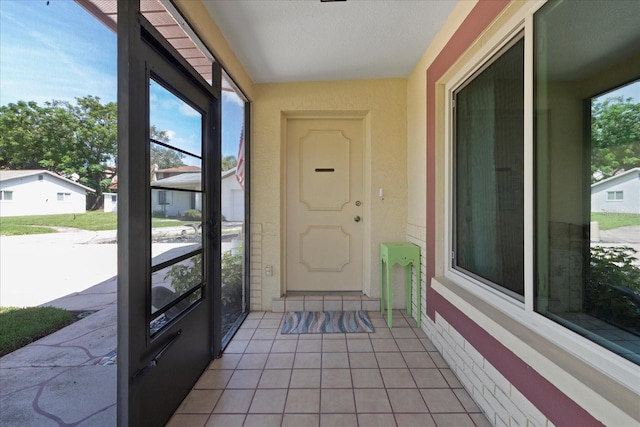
306 40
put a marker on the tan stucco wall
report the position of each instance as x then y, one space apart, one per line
383 103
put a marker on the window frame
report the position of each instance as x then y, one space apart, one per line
493 57
3 195
447 278
470 69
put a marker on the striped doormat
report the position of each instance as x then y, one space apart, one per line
326 322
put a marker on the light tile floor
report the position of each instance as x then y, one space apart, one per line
392 377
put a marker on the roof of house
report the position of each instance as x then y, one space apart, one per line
615 177
186 179
8 174
179 181
181 169
228 173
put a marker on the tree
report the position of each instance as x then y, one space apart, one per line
61 137
229 162
163 157
615 136
97 139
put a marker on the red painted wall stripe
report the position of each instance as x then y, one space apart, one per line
554 404
557 406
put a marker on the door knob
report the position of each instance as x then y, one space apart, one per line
357 219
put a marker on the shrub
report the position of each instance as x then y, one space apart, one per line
185 276
232 278
613 290
192 215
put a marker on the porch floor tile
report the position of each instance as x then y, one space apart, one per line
391 377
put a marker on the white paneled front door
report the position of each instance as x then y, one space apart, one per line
325 205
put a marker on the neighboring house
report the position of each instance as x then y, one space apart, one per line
169 203
232 196
155 174
620 193
110 202
40 192
174 203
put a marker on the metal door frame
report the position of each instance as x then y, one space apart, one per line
135 37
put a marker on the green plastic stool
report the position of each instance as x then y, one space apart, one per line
405 254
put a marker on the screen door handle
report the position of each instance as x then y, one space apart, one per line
156 359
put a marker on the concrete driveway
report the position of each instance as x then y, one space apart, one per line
69 377
622 236
40 268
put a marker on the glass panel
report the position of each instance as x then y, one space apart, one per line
489 174
233 208
176 203
174 169
588 152
170 282
156 324
173 121
176 207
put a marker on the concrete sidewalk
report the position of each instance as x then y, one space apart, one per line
67 378
38 268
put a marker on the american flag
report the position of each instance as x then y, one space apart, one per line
240 165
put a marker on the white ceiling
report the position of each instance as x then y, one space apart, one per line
306 40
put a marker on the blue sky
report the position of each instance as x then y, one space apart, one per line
631 90
54 52
59 51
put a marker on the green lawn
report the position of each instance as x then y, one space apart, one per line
20 326
94 221
608 221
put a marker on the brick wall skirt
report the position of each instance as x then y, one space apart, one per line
501 402
255 271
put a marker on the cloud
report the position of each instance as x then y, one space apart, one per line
188 111
171 135
232 98
190 143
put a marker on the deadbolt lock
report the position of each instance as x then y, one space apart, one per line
357 219
358 203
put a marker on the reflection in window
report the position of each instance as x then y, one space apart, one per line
587 154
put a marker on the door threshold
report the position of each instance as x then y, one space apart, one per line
324 301
322 293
